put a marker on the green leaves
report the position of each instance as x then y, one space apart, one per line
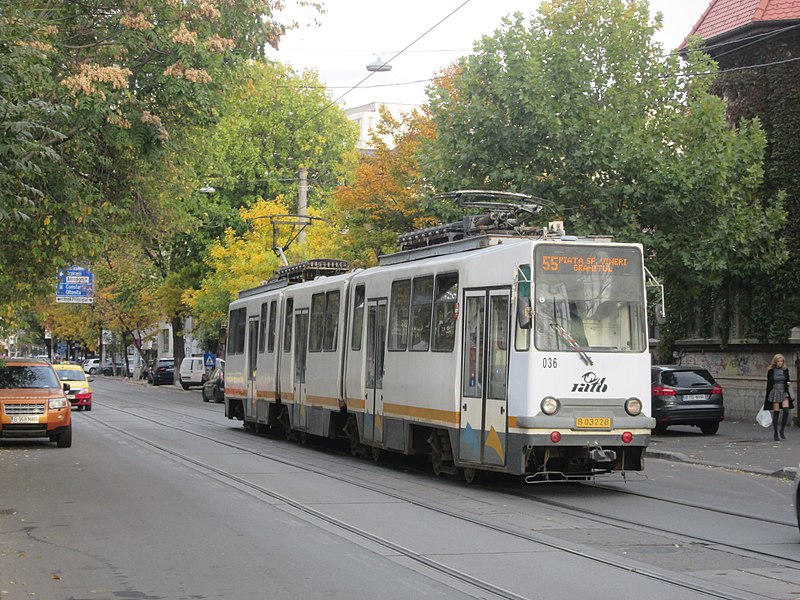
580 106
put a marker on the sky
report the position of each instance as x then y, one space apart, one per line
430 33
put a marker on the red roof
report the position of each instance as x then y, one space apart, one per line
725 16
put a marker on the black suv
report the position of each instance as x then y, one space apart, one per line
686 395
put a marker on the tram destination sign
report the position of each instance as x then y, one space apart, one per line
609 260
75 286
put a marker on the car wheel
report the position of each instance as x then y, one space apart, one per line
87 407
205 397
185 386
709 428
93 371
659 429
64 439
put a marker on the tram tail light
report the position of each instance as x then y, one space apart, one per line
627 437
555 437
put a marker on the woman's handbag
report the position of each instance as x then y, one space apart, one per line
764 417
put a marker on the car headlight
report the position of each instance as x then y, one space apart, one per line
549 405
633 406
58 403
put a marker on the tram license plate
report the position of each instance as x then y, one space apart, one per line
25 418
593 422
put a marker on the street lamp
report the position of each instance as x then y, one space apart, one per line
379 66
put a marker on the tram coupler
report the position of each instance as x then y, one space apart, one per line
599 455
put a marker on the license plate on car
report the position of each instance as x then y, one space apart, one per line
695 397
25 418
593 422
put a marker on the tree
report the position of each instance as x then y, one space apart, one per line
385 196
273 121
90 91
580 107
245 260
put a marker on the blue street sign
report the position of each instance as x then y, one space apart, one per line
210 360
75 285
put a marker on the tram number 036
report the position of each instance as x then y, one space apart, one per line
550 362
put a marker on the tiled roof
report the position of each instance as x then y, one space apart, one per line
723 16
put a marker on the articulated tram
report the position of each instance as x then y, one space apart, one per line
484 345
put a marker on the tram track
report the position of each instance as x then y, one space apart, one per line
186 426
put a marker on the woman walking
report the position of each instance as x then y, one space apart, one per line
778 399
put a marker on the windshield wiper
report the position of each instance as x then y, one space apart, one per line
571 342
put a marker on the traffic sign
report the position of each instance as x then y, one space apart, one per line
209 360
75 286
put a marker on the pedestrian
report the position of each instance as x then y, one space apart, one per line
778 399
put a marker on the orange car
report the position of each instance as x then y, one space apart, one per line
33 402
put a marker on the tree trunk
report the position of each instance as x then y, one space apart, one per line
177 346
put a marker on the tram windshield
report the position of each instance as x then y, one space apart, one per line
588 298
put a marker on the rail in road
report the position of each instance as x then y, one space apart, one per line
501 512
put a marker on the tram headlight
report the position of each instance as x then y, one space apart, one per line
549 405
633 406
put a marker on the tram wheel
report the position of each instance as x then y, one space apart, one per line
376 453
471 475
303 437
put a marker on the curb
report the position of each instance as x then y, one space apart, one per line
783 472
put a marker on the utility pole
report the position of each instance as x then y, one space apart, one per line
302 202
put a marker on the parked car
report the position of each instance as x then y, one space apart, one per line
33 402
163 371
686 395
91 366
192 372
214 387
80 390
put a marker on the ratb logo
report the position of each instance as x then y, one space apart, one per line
590 384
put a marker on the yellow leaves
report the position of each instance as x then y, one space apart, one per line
91 73
183 36
47 220
179 71
137 22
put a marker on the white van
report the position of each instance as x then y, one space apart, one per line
192 372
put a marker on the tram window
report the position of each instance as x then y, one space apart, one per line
262 328
358 318
522 340
271 327
421 310
317 322
287 325
240 320
445 305
331 321
232 321
398 319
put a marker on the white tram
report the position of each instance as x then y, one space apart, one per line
520 354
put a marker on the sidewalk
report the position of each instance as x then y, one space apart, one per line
743 446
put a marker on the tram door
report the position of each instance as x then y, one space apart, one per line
376 345
251 365
484 377
300 350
